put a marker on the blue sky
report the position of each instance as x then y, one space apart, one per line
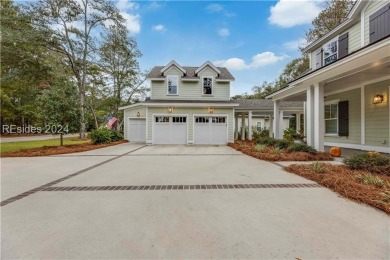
254 39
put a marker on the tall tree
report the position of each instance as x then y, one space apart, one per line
70 27
333 14
118 60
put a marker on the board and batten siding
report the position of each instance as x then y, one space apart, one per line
353 96
190 112
132 112
377 115
191 90
372 7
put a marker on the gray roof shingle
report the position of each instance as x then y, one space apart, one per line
155 73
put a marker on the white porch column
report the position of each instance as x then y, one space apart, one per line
309 116
281 125
319 117
270 127
276 126
298 122
242 126
236 127
250 125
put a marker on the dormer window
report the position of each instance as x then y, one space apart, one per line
173 85
207 85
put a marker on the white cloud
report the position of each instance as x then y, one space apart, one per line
223 32
287 13
294 45
159 28
218 8
133 22
124 5
259 60
155 5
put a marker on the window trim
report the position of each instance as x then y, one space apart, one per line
332 102
257 125
212 86
177 88
337 52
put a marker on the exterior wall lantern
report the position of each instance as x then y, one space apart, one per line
378 99
170 109
138 114
211 110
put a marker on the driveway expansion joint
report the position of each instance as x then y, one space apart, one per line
47 185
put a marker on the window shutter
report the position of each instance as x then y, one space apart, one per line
343 45
319 59
343 118
380 24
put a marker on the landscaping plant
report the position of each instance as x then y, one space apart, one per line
104 136
296 147
371 162
370 179
260 147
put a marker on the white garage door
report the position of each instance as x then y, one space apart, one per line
210 130
137 130
170 130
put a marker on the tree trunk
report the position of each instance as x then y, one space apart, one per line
82 115
94 117
62 139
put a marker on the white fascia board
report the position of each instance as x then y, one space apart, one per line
210 104
131 106
156 79
209 64
173 63
324 70
184 79
359 5
223 80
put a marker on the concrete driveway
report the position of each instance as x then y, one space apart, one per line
135 201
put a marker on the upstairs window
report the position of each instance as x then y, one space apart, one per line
207 86
173 84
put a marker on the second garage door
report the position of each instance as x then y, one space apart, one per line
210 130
170 130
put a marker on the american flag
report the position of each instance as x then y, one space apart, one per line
111 121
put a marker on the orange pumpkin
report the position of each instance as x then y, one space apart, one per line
335 151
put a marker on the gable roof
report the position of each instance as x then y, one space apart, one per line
173 63
207 63
156 73
352 17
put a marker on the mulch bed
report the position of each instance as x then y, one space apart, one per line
247 147
53 150
342 180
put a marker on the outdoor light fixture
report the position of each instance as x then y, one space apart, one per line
378 99
170 109
211 110
138 114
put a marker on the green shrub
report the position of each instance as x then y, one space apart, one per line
259 134
291 134
282 144
116 136
101 136
260 147
318 167
369 162
267 141
296 147
276 150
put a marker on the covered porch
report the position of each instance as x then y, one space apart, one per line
259 113
346 102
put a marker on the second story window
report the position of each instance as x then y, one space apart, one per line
207 86
173 85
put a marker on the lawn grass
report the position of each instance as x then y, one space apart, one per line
6 148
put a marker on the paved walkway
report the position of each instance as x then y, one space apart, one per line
135 201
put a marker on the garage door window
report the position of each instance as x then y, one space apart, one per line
201 120
162 119
179 119
218 120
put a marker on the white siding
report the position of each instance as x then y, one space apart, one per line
353 37
132 112
314 58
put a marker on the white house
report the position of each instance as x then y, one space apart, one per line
347 88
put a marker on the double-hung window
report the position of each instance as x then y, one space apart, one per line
331 118
173 85
207 85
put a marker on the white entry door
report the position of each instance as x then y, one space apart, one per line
210 130
137 130
170 130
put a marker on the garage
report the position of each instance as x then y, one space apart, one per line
170 130
137 130
210 130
